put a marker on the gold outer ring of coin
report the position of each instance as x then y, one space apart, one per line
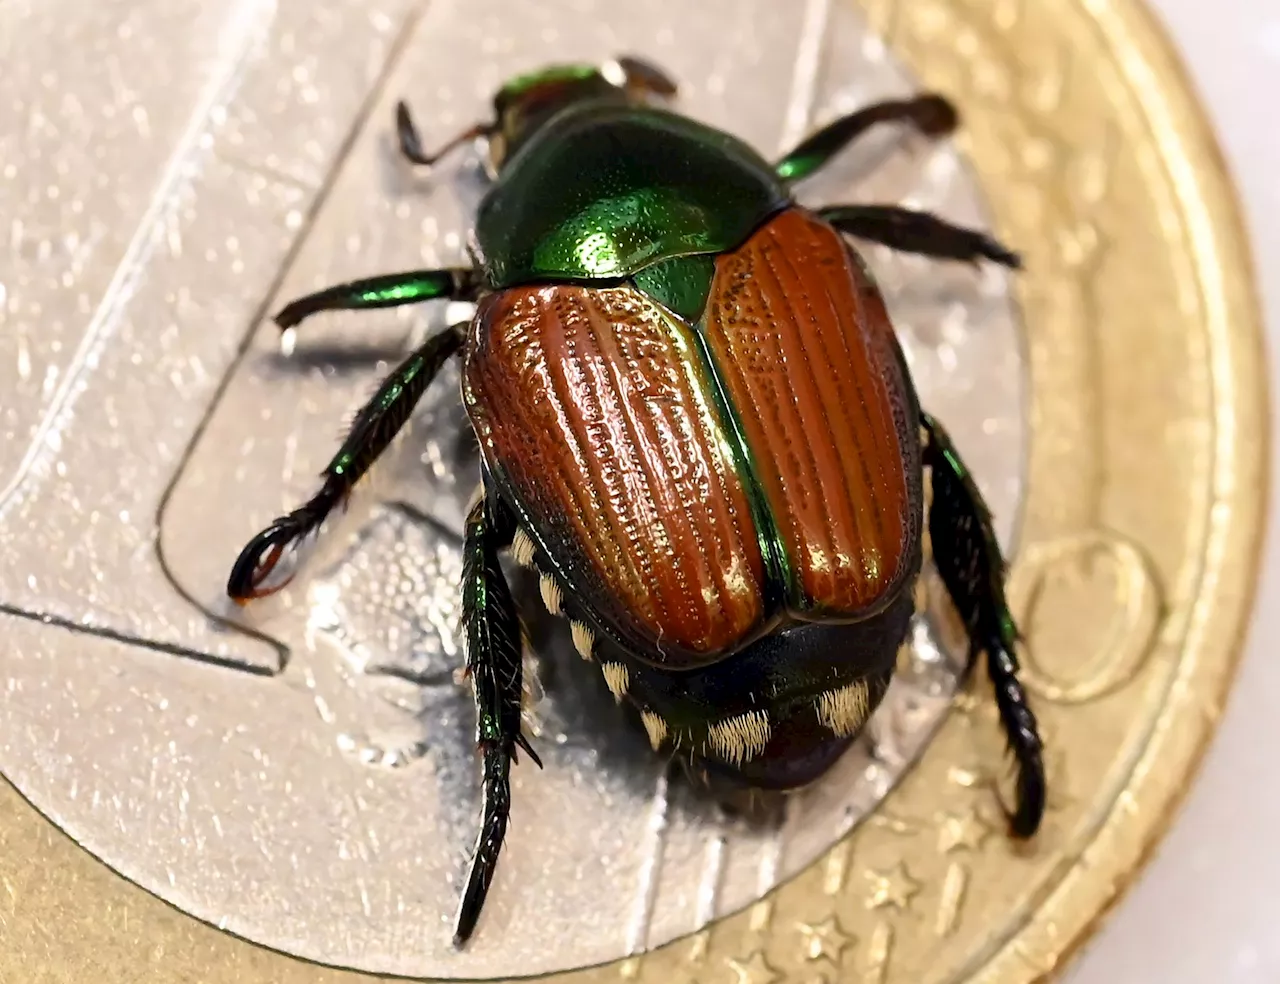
1133 580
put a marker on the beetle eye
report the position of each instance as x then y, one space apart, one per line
496 153
642 76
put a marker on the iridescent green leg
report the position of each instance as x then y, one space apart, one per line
495 666
931 115
917 232
968 558
372 432
389 290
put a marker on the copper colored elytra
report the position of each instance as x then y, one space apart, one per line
589 395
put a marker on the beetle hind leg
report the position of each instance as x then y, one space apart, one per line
968 558
495 666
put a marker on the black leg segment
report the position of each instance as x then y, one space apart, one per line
495 667
390 290
411 142
375 426
917 232
968 558
931 115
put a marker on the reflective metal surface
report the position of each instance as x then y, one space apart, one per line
315 789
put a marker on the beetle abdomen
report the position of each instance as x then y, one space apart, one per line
593 414
802 342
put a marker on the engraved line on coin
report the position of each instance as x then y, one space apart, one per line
879 951
395 52
954 886
761 914
699 944
155 645
258 169
804 80
837 868
647 877
771 851
246 28
709 886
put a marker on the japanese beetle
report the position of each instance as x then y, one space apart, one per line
697 424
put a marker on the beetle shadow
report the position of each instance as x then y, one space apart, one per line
338 359
462 176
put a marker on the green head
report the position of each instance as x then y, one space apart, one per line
526 103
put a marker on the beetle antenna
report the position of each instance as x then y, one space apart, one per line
411 141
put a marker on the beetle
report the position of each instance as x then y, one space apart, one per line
696 424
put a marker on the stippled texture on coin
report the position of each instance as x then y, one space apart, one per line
1144 501
318 791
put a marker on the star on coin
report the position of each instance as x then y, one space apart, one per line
894 887
754 970
826 939
965 830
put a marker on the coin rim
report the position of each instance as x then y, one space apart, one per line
1139 44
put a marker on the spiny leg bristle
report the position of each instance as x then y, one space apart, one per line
584 639
551 596
739 739
618 678
844 711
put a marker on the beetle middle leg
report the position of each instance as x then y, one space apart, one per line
495 666
373 430
968 557
932 115
917 232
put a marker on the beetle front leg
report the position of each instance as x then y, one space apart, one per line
386 291
917 232
932 115
410 140
375 427
968 558
495 666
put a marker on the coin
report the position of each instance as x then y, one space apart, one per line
1132 566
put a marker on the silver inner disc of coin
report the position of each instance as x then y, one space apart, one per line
315 788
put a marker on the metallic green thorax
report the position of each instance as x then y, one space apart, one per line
605 189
